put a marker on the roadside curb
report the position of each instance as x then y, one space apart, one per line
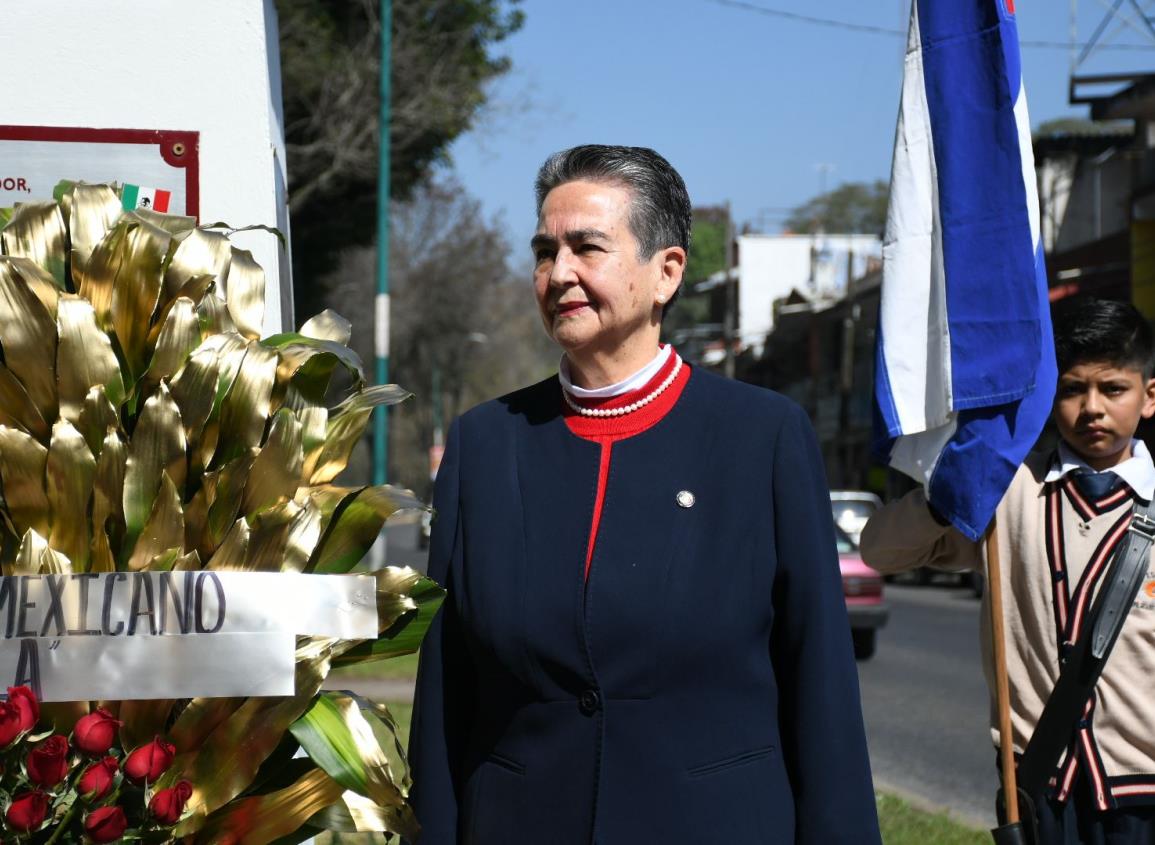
920 802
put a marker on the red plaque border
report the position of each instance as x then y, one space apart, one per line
178 148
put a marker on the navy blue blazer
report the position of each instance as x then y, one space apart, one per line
699 688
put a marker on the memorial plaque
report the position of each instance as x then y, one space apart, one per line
161 167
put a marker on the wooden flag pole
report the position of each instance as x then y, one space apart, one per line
1002 685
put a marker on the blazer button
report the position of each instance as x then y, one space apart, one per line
589 702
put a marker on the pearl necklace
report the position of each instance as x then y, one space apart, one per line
633 406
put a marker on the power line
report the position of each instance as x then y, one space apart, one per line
883 30
795 16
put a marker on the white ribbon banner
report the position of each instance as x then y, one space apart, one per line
136 635
94 668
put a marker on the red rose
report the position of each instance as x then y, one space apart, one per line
96 781
168 804
95 733
105 824
48 762
149 762
27 811
23 700
9 723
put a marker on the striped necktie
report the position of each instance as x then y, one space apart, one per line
1097 485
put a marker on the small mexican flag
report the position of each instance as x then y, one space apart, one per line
134 197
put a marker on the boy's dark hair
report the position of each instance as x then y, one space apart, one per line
1088 329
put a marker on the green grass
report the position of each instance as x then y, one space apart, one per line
903 824
393 668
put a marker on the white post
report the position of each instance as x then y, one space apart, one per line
211 67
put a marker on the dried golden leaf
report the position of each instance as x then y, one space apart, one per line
270 533
327 497
314 426
179 335
36 557
338 736
28 338
136 289
194 389
245 293
225 761
328 325
22 462
196 288
190 562
214 316
276 472
17 409
95 209
346 426
231 350
164 529
246 406
355 813
201 718
104 265
84 358
355 526
36 232
310 363
304 533
158 445
39 282
101 558
204 254
225 505
69 472
97 416
196 514
177 225
143 720
63 715
230 554
265 818
108 486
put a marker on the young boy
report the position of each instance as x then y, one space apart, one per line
1064 513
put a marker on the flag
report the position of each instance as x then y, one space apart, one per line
134 197
965 370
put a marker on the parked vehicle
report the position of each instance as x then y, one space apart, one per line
862 589
851 509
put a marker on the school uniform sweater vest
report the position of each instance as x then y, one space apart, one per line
1056 546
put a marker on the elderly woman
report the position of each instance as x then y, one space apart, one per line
644 638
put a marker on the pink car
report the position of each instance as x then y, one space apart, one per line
862 588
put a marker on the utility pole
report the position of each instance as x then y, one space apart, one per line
381 323
730 319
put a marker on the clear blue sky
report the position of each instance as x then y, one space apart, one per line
747 106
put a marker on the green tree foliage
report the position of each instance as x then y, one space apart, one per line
707 257
458 308
707 244
444 55
852 207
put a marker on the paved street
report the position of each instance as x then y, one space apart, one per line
925 703
924 696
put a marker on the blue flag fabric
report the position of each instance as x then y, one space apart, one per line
965 370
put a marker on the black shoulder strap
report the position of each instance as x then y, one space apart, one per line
1083 666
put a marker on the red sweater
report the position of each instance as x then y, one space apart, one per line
609 430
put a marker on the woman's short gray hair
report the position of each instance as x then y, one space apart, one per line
660 212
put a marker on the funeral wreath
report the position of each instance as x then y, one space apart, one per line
156 452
